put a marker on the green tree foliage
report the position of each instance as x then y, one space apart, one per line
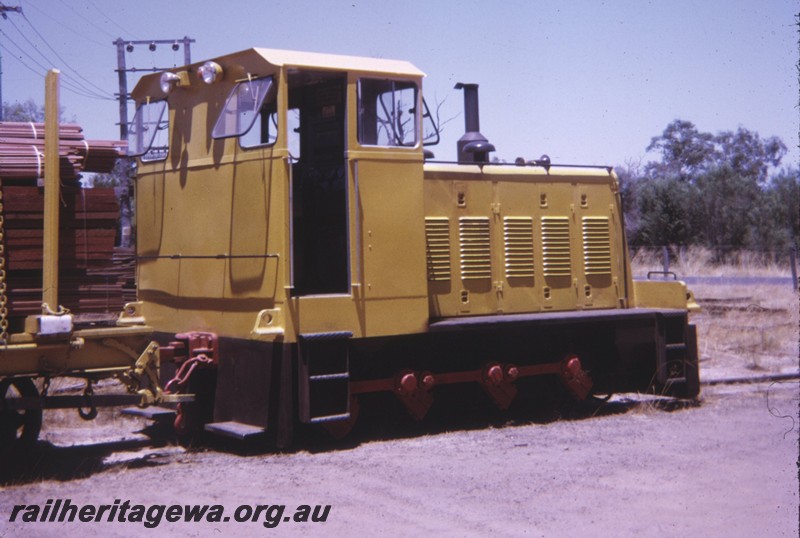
687 153
726 205
747 154
629 176
664 212
121 175
722 190
28 111
684 150
776 223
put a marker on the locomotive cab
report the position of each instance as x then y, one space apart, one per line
259 191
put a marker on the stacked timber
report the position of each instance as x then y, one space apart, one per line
22 152
94 275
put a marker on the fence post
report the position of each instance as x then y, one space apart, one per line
793 263
665 259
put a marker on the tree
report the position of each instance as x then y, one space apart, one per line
687 153
776 227
785 189
28 111
630 181
684 150
725 205
713 189
747 154
664 209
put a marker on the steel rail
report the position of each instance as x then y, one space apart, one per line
750 380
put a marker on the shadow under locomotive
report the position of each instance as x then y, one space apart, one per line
382 419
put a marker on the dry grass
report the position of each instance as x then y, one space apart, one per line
699 261
743 328
747 327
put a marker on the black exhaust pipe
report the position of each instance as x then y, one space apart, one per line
473 147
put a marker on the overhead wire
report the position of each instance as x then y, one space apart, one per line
67 84
73 31
70 82
90 22
76 83
112 21
103 92
19 59
68 78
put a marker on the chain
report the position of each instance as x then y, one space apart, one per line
185 372
88 392
3 290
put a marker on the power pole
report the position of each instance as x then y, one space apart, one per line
122 70
3 10
122 73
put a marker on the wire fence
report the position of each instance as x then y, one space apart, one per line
699 264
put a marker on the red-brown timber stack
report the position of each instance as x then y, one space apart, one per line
93 276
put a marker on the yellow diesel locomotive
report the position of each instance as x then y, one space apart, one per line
299 249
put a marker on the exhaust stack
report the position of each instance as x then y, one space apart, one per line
473 147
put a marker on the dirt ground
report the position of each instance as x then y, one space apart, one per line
634 466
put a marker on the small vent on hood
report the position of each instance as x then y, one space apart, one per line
518 238
555 246
437 247
596 246
476 251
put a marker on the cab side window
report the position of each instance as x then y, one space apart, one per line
387 113
148 134
264 131
249 113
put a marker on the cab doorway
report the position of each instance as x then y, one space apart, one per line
320 249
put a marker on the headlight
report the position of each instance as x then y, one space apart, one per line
210 72
169 81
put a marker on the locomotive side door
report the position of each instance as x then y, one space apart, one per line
357 223
320 251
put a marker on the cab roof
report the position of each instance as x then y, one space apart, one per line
249 60
335 61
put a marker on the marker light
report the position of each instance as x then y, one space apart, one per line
169 81
210 72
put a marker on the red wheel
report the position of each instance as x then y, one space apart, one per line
19 428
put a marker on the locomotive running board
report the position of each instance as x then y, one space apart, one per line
506 320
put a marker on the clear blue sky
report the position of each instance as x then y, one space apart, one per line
585 82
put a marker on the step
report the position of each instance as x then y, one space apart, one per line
329 377
152 412
330 418
237 430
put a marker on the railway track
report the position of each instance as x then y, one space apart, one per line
750 379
